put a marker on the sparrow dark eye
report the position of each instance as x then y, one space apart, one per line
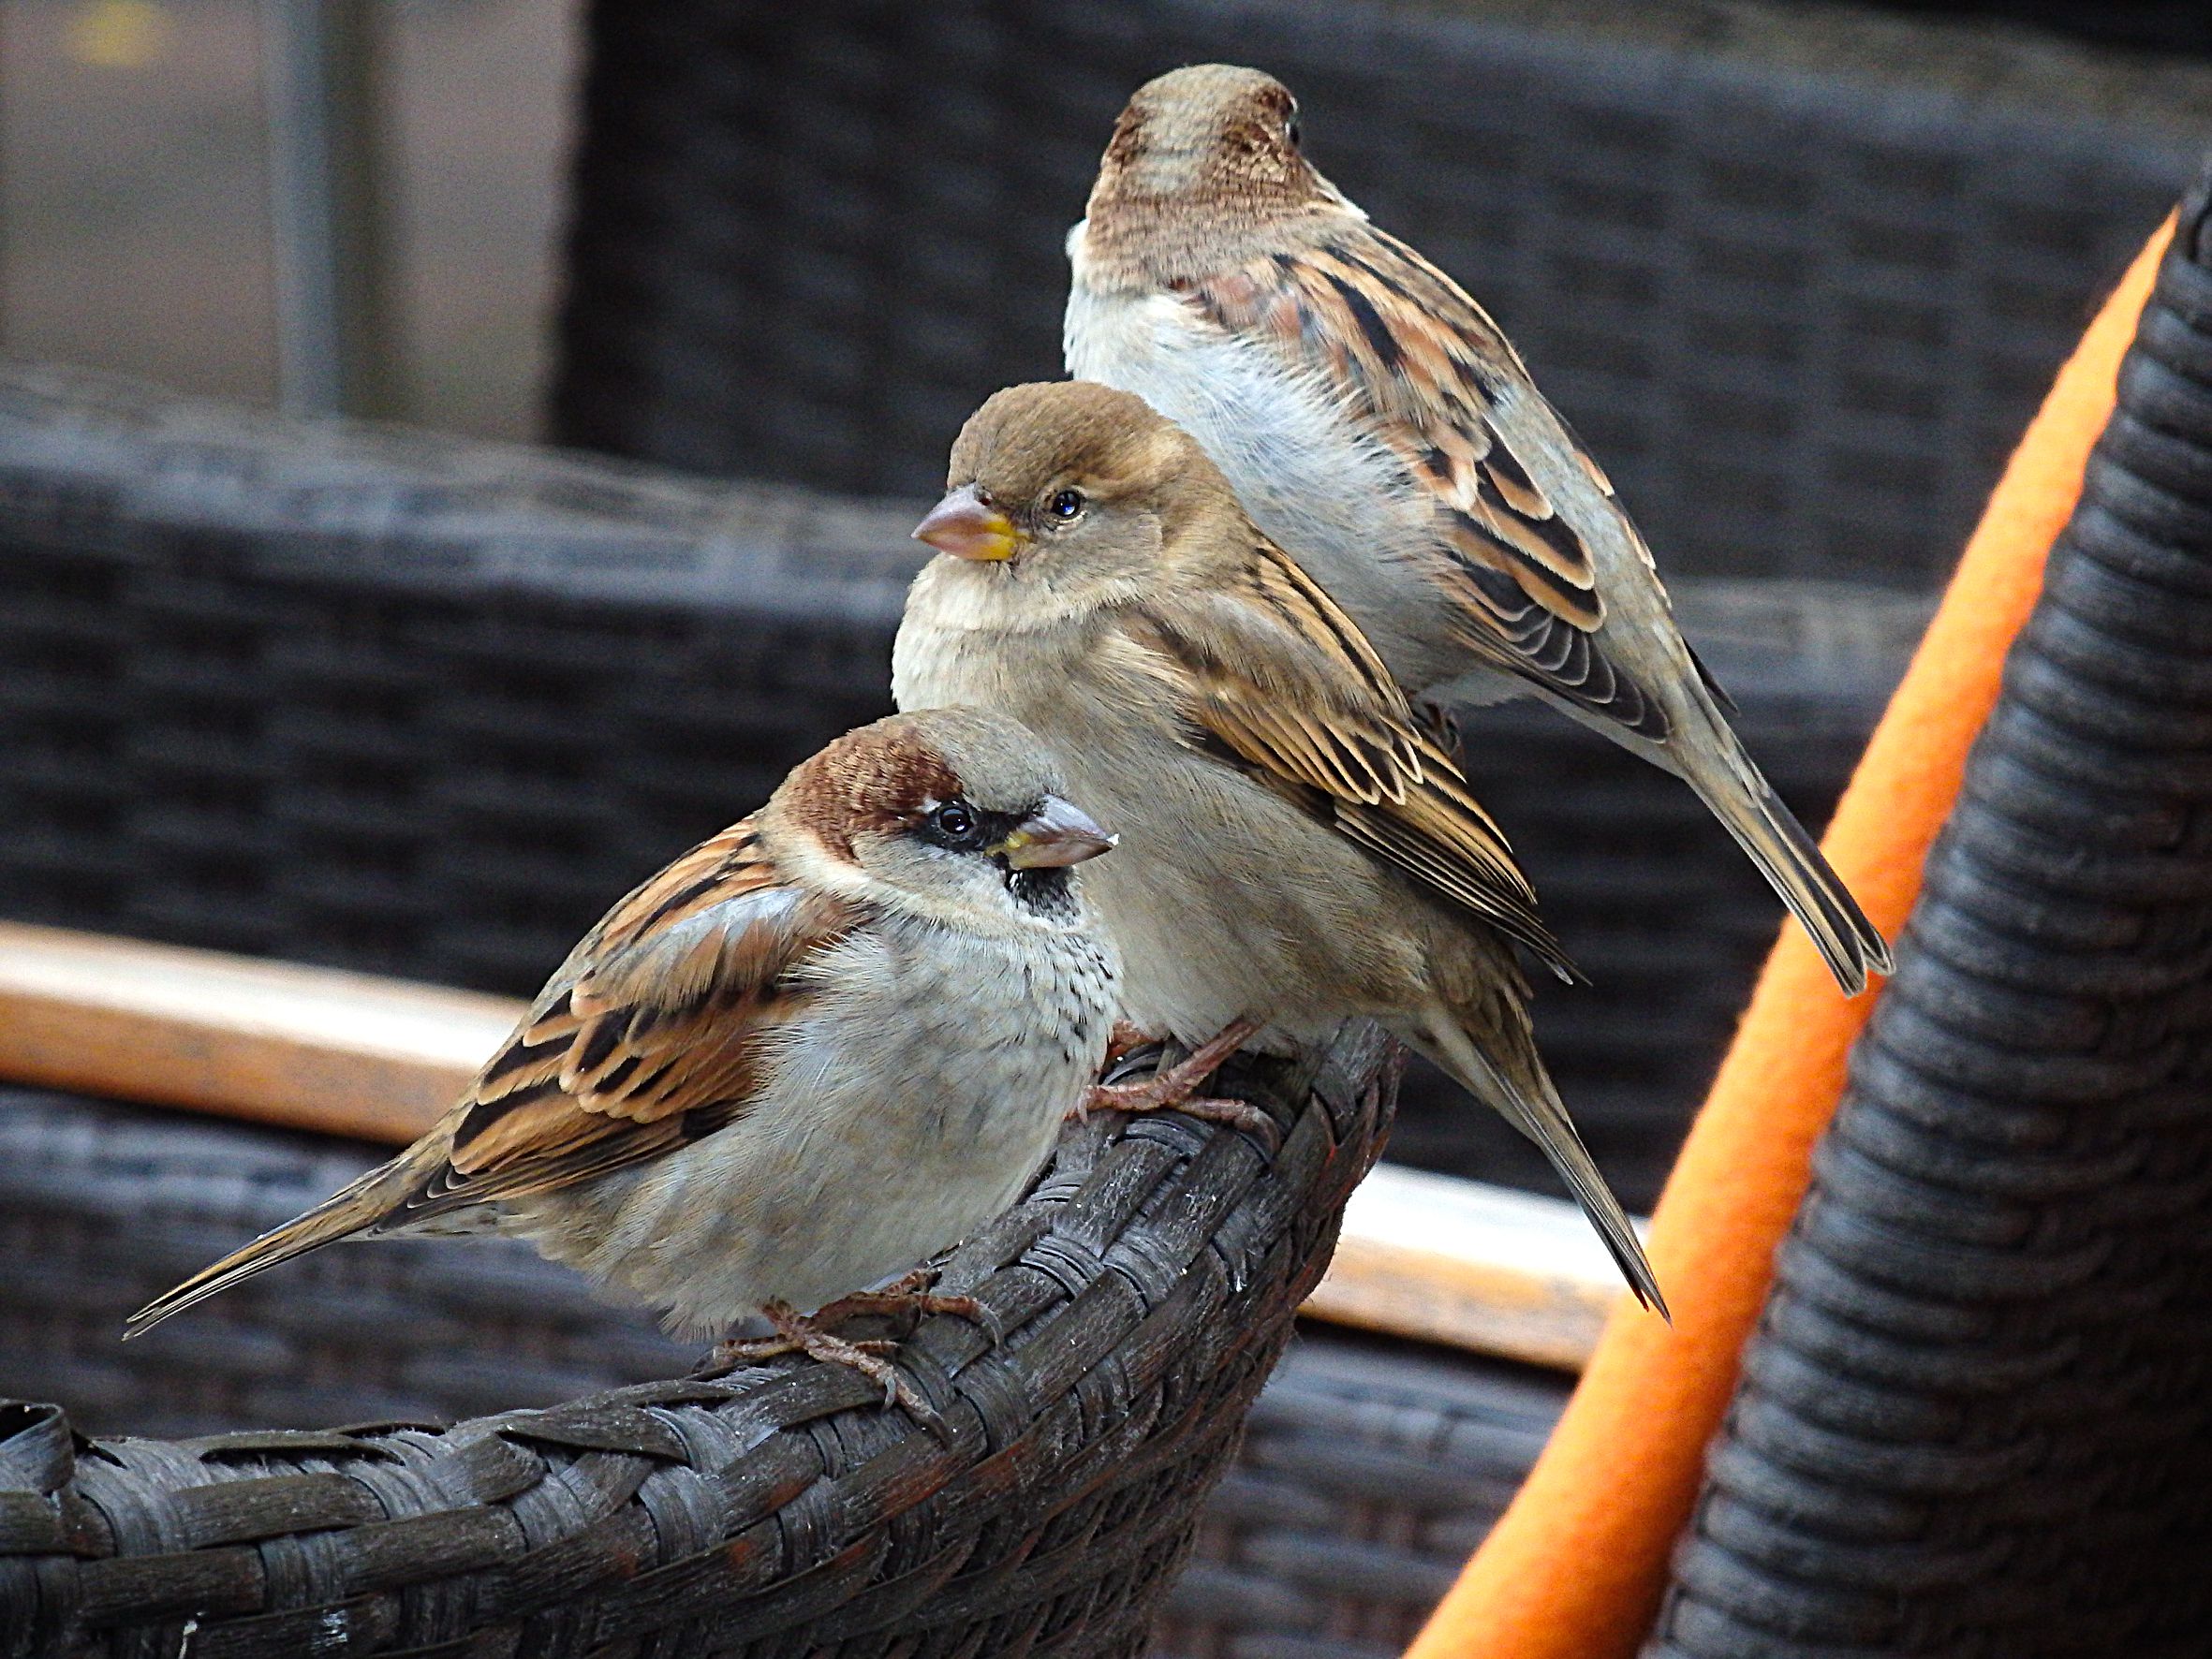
1066 504
954 825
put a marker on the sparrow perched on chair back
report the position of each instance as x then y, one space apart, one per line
815 1050
1376 422
1296 848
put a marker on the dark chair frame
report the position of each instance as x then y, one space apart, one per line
1144 1290
1976 1418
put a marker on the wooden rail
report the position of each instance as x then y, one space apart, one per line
1422 1256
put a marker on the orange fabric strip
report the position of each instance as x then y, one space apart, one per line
1576 1568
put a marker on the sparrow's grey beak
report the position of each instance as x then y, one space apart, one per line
964 526
1058 834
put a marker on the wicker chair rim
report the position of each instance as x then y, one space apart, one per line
1144 1291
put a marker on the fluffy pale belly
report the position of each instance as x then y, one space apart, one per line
884 1140
751 1216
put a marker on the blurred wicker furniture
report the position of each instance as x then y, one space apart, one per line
1975 1419
1799 273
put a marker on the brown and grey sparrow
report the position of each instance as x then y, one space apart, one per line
812 1051
1376 423
1297 848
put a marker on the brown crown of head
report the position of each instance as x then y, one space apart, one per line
873 779
1212 133
1030 440
886 775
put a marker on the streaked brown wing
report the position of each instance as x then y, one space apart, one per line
650 1036
1283 675
1278 675
1424 368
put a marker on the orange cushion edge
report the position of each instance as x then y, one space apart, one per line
1576 1566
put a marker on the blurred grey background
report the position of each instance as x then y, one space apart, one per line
136 231
136 182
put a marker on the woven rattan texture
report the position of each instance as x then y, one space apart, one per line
1145 1290
1366 1479
1799 277
392 701
103 1207
1369 1470
423 706
1977 1419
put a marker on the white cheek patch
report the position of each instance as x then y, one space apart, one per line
813 863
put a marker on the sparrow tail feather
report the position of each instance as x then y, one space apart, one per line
1529 1102
1734 791
346 1211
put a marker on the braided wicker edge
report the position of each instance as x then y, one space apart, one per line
1145 1290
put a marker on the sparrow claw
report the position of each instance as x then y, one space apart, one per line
983 1315
1237 1114
965 1307
734 1351
796 1333
910 1294
1125 1039
911 1281
1176 1089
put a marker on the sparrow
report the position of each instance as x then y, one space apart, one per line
1298 849
820 1046
1379 427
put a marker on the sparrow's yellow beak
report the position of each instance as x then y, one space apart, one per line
1059 833
964 526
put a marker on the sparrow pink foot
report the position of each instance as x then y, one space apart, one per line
1176 1089
796 1333
1125 1039
910 1294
